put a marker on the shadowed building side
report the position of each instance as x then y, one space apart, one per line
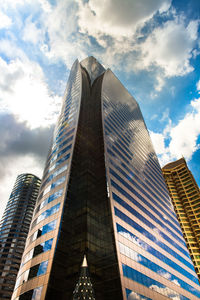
86 222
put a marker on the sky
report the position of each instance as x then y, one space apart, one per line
152 46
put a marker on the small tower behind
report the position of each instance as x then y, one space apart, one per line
84 289
14 228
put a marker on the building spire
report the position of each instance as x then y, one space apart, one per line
84 263
93 67
84 289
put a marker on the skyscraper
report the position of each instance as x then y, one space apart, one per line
103 196
185 195
14 228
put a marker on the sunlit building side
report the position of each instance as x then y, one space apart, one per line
103 197
14 229
185 196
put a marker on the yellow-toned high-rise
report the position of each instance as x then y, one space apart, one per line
185 195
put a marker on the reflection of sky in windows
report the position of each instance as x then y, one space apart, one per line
130 236
156 268
133 137
43 230
58 140
147 179
37 293
56 173
41 248
54 184
47 213
134 178
132 189
42 268
58 182
62 144
131 295
48 227
151 283
134 132
153 217
47 245
60 161
49 199
150 236
72 96
60 153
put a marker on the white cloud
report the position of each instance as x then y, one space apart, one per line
135 296
31 33
165 115
170 48
166 292
11 50
25 93
64 29
182 137
198 86
158 140
164 274
167 49
5 20
134 240
64 43
117 18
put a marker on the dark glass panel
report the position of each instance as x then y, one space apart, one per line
86 226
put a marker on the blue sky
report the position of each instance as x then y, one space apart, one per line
152 46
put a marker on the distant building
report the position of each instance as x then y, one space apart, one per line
14 229
185 195
103 195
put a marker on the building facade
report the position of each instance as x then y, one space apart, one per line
14 229
185 196
103 196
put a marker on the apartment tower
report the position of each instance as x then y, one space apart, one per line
14 229
103 196
185 196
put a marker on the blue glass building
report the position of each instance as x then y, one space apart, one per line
103 195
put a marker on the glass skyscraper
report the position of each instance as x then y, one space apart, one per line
103 196
185 195
14 229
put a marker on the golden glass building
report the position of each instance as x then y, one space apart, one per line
103 196
185 196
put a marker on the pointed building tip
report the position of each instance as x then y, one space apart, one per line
93 67
89 58
84 263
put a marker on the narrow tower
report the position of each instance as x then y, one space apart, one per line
103 195
14 229
84 289
185 196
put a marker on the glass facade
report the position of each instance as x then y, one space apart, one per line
153 259
103 196
185 196
14 229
